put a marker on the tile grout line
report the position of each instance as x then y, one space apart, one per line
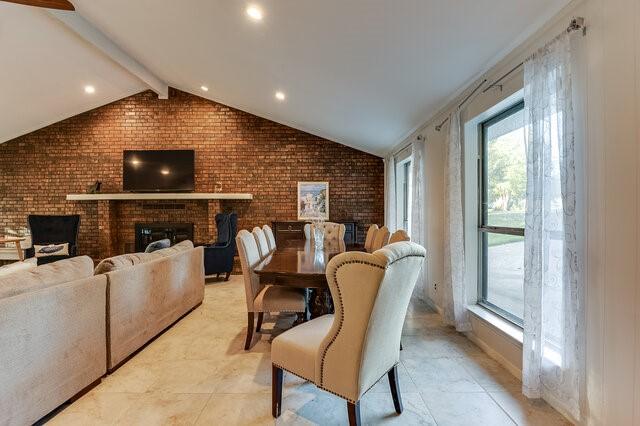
203 408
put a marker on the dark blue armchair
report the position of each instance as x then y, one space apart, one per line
218 257
47 229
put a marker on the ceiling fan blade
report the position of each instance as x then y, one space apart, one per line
49 4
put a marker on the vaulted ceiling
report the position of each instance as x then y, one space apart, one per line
364 73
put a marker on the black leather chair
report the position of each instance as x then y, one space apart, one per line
53 230
218 257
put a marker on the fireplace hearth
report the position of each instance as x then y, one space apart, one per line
146 233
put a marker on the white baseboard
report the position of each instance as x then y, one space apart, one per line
497 356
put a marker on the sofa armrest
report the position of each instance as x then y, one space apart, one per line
52 346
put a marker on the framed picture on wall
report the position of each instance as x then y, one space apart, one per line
313 200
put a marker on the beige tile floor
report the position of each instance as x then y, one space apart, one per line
198 373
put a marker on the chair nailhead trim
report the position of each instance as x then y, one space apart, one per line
335 336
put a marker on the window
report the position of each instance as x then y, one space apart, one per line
403 193
502 196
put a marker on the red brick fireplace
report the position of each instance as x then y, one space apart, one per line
234 152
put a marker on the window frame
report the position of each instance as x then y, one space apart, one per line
403 192
482 228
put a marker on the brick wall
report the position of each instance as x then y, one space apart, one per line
236 151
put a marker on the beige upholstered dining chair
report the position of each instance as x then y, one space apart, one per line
371 235
261 241
399 235
263 298
347 353
271 240
381 239
333 232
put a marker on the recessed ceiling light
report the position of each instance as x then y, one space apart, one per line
204 88
165 171
89 89
254 12
280 96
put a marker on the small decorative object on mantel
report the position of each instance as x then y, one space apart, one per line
313 200
94 188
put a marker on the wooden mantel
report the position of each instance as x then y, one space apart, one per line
109 211
124 196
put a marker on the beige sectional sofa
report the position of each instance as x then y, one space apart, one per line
147 292
52 337
64 325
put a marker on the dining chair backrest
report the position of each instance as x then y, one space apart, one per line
307 231
261 241
271 240
371 234
371 294
381 239
249 258
399 235
333 232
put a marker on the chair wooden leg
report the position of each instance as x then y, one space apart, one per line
260 317
354 413
395 388
277 376
226 278
247 344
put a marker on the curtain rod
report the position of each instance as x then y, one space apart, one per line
576 24
439 126
418 138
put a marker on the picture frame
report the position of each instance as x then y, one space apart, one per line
313 200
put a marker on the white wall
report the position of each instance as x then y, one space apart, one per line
611 85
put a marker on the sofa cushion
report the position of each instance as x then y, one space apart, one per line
16 267
181 246
127 260
123 261
46 276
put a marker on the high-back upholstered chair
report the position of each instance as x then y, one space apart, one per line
47 230
381 239
371 234
332 231
347 353
263 298
261 241
218 257
271 240
307 231
399 235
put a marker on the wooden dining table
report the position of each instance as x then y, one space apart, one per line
298 263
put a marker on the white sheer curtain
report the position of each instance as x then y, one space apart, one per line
418 196
454 298
390 202
553 350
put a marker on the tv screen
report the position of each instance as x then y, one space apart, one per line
158 171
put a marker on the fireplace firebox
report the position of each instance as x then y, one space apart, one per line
146 233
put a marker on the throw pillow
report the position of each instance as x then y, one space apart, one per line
158 245
51 250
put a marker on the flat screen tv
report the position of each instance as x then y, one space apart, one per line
158 171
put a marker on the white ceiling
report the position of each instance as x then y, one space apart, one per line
44 70
361 72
